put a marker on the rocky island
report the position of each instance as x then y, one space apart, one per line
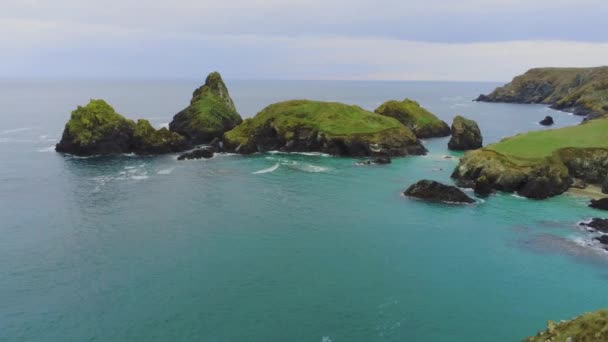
97 129
328 127
582 91
466 135
539 164
422 122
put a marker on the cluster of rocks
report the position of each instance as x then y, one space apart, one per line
598 226
433 191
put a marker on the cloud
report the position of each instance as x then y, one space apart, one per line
331 39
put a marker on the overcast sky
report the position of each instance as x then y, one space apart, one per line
488 40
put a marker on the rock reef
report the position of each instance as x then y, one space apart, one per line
328 127
433 191
211 112
422 122
582 91
466 135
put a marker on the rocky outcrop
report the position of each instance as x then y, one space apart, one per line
547 121
465 135
433 191
328 127
489 169
96 129
211 112
199 153
581 91
422 122
590 327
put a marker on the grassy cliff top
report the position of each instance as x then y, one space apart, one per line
92 122
590 327
540 144
331 118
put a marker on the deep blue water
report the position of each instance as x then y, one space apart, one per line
273 247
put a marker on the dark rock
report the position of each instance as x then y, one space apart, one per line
380 160
482 187
433 191
579 184
465 135
597 224
206 153
601 204
605 186
217 144
547 121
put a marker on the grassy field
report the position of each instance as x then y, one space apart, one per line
540 144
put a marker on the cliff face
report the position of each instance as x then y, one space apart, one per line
582 91
329 127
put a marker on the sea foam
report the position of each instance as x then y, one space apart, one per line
268 170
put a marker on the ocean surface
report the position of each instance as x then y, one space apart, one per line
274 247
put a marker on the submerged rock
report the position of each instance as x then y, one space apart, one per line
433 191
422 122
465 135
601 204
211 112
547 121
199 153
328 127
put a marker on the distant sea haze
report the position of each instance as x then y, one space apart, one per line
274 246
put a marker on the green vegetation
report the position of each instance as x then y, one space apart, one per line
210 114
590 327
534 146
146 139
582 90
315 125
424 123
94 122
331 118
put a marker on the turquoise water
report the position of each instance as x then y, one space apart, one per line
273 247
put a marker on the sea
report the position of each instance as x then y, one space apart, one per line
274 246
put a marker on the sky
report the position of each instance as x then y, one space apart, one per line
454 40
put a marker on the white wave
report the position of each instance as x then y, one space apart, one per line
130 167
47 149
310 168
270 169
311 154
139 177
166 171
15 130
517 196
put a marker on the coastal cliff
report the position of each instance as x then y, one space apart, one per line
329 127
539 164
582 91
